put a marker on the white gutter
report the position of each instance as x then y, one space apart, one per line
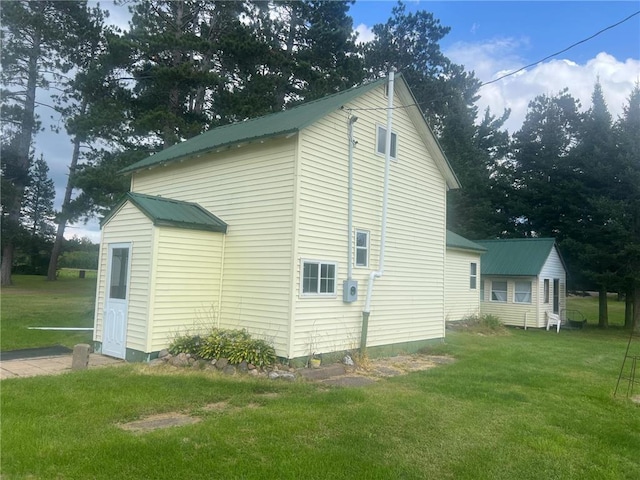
352 119
385 196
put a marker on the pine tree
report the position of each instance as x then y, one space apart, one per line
34 37
628 150
38 215
410 42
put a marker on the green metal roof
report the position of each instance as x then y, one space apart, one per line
518 257
456 241
280 123
173 213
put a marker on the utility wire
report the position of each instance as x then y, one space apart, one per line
420 105
561 51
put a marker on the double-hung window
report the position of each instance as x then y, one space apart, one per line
473 275
522 292
381 142
499 291
318 278
362 248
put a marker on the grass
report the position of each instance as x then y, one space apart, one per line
588 306
528 405
32 301
525 405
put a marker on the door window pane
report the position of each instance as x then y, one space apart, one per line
118 281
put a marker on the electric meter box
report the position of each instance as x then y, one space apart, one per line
350 291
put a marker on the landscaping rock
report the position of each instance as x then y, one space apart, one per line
221 363
80 359
243 367
163 353
180 360
229 370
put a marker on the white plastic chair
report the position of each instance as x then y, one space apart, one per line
553 319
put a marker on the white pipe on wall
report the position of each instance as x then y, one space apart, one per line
352 119
385 195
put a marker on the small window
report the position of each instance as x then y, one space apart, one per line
473 276
318 278
546 290
499 291
522 293
362 248
381 142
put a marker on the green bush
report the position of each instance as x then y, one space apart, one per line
185 344
491 322
235 345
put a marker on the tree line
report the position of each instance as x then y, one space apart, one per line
182 68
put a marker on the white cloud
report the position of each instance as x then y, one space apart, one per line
365 34
490 60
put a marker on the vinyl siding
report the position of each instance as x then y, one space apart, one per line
553 269
128 225
251 188
460 300
408 300
186 284
509 312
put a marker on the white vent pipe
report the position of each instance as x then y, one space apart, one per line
352 119
385 196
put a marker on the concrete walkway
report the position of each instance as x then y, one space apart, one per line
49 365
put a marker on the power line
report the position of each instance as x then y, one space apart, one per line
562 51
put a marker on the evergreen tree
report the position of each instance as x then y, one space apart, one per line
600 223
36 36
38 215
547 200
86 114
628 151
446 94
310 47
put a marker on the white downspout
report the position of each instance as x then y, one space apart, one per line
383 235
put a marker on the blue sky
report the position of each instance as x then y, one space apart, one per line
541 27
498 37
491 39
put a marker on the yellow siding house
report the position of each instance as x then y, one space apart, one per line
524 281
280 225
462 278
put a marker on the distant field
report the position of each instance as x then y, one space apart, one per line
589 308
34 302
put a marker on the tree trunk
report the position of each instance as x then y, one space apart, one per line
27 127
636 306
628 307
603 314
64 216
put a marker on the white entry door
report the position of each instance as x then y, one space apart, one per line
114 337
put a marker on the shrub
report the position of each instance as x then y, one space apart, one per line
185 344
491 322
235 345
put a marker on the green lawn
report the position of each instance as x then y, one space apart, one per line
526 405
32 301
589 308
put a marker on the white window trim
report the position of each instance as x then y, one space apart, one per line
506 293
304 294
393 132
474 276
355 243
515 291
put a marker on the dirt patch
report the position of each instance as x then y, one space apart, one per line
155 422
402 364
